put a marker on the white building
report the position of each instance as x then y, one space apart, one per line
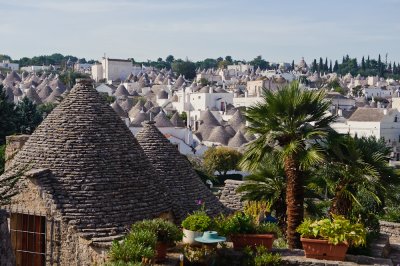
8 65
370 92
32 69
378 122
106 88
239 69
112 69
339 101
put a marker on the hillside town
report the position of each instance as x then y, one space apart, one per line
166 133
208 110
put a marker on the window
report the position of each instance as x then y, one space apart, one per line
28 239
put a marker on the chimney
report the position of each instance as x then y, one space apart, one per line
340 112
385 111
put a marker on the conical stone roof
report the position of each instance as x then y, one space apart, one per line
209 119
139 118
55 96
237 121
33 96
9 93
118 109
177 121
184 185
237 141
219 135
56 83
162 120
126 103
100 179
121 91
45 92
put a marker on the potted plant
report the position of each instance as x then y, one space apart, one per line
194 225
166 233
329 239
244 231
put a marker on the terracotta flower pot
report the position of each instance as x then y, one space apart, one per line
189 236
240 241
161 251
321 249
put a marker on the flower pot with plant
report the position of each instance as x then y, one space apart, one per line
243 230
329 239
166 233
194 225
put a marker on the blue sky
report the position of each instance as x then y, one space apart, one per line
148 29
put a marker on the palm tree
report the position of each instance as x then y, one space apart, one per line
267 184
358 170
287 123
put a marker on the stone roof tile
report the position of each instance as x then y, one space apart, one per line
183 184
101 180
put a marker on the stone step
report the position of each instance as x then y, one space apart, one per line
380 248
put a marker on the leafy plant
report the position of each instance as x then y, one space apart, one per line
337 230
165 231
135 246
256 209
261 257
240 223
198 221
392 214
202 254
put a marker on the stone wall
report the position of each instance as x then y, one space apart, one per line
6 254
64 246
391 229
13 145
229 197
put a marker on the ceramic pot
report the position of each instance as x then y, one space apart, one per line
161 251
189 236
321 249
240 241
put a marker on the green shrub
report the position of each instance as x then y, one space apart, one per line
198 221
240 223
267 259
337 230
261 257
165 231
135 246
392 214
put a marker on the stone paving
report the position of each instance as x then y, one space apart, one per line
394 254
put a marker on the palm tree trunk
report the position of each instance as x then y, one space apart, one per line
340 204
294 201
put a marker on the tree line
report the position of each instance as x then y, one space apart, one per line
53 59
366 67
20 118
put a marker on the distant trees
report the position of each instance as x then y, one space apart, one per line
28 116
367 67
221 160
8 118
185 68
21 118
54 59
259 62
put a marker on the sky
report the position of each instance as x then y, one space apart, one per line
279 31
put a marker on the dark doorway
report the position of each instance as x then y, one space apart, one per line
28 238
